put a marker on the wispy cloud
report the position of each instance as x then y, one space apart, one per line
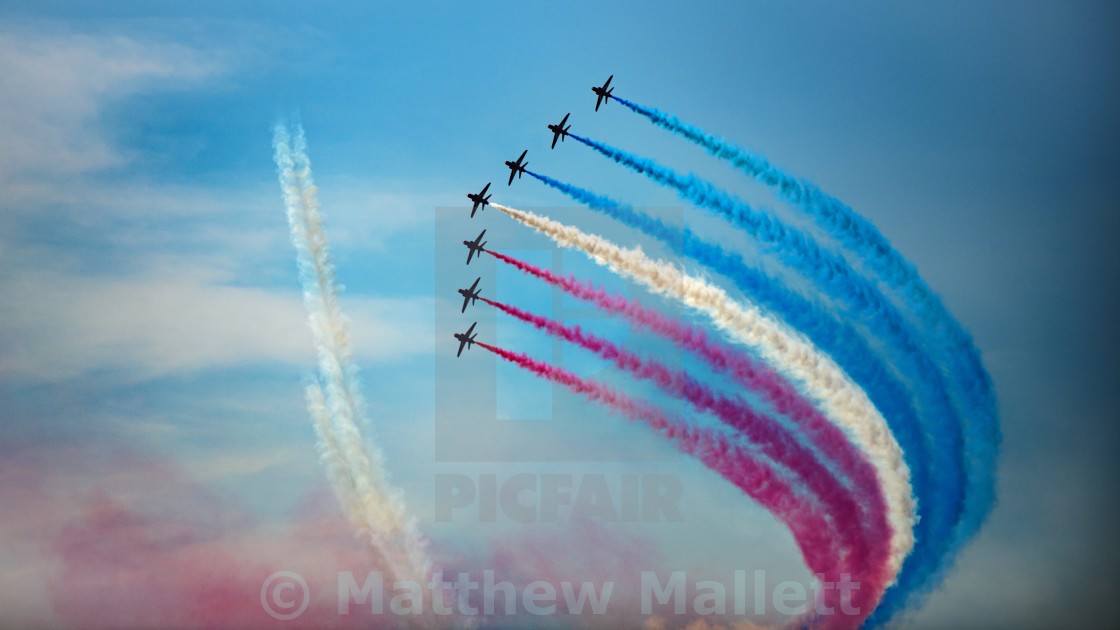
104 270
54 89
94 540
57 326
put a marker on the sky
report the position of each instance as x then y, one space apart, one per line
153 346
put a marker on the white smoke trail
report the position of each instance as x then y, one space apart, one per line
354 466
331 453
840 399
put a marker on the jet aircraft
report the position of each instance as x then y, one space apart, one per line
466 340
603 93
475 246
470 296
479 199
559 132
517 168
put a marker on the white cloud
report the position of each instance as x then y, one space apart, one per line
142 278
369 217
56 326
222 465
55 87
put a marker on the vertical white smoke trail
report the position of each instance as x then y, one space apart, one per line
354 466
331 453
840 399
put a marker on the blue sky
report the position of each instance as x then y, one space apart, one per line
148 297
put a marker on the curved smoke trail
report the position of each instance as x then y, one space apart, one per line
849 350
749 373
824 381
861 531
836 338
753 375
971 394
833 275
354 467
859 236
731 461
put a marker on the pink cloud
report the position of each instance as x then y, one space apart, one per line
102 537
98 535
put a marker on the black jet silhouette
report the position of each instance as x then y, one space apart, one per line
466 340
559 132
517 168
479 199
470 296
475 246
603 93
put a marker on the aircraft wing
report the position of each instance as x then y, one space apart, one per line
555 137
522 156
475 285
512 172
484 189
466 300
462 344
565 119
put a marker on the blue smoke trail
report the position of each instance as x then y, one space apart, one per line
951 342
938 495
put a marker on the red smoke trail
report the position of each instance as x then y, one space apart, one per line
731 461
751 374
866 556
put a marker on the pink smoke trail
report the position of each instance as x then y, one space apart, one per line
866 555
758 377
731 461
753 375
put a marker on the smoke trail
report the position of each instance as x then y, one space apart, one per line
337 408
833 275
753 375
729 460
854 355
330 452
836 338
847 517
749 373
841 399
950 340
